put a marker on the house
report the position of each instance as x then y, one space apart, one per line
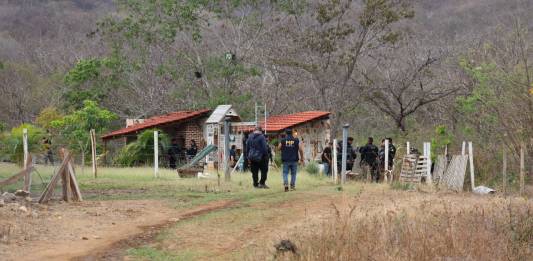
184 126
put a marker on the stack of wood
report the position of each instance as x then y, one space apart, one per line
71 191
414 167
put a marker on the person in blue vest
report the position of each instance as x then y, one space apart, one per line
257 155
291 154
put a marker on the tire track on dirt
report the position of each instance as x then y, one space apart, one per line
117 250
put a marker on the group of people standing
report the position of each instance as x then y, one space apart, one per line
258 154
372 160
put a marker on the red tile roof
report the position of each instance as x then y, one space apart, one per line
156 121
278 123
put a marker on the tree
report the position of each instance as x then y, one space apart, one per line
405 80
14 144
47 116
75 127
330 42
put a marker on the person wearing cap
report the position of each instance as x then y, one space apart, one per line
257 155
291 154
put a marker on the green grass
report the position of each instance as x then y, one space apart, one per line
139 183
254 207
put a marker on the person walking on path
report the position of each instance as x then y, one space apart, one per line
257 155
291 154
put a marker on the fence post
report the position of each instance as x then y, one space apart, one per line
471 162
156 154
408 149
385 176
26 157
522 168
504 172
427 153
344 152
25 144
334 169
227 175
93 152
463 148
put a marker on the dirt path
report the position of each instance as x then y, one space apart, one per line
95 230
105 230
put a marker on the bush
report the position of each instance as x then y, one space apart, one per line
312 168
13 142
141 151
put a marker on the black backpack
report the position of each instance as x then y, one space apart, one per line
254 154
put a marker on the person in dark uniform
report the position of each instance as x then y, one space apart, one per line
369 160
173 153
350 155
291 154
327 159
233 155
193 149
257 155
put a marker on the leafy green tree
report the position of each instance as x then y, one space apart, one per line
47 116
141 151
14 144
75 127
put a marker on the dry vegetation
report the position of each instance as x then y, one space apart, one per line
423 227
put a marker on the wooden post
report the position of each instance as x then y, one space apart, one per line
28 168
427 153
446 151
25 144
344 152
93 152
463 148
27 180
156 154
385 176
471 162
522 168
504 171
334 169
408 149
227 174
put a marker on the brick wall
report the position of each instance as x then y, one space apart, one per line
194 131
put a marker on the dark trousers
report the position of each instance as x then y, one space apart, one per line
255 168
172 162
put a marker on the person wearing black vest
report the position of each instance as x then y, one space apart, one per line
291 154
257 155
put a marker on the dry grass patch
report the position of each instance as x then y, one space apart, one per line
434 228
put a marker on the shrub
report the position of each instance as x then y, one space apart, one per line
13 142
312 168
141 151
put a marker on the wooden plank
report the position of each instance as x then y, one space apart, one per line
27 173
454 176
49 191
15 177
76 193
440 167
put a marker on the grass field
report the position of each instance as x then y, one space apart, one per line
234 221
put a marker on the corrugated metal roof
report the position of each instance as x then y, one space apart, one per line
220 113
156 121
